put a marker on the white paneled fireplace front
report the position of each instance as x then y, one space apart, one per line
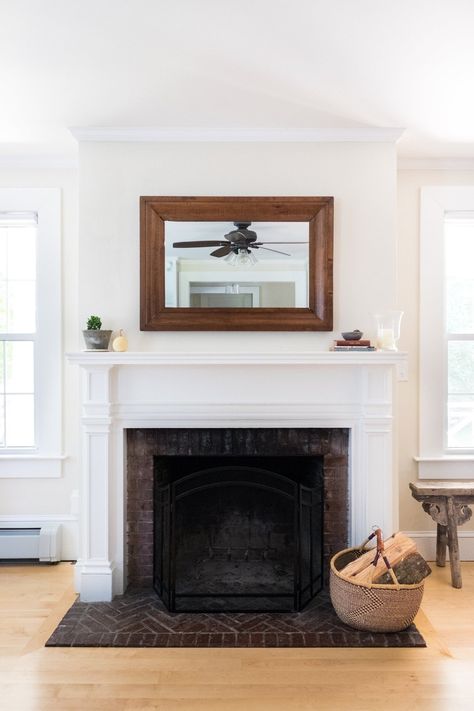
201 390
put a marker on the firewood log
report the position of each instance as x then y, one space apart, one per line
366 558
410 570
394 554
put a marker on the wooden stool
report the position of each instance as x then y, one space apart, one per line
447 504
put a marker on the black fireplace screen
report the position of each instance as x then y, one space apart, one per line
238 533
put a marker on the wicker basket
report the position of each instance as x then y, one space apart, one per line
372 607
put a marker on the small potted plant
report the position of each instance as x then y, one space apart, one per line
95 338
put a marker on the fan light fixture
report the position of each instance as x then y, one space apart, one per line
241 258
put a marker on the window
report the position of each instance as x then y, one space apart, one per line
459 326
446 332
18 235
30 334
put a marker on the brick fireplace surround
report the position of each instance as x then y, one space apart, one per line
143 445
134 403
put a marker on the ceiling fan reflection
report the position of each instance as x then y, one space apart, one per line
237 249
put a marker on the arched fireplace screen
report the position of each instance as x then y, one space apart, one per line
238 533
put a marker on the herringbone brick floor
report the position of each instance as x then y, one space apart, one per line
139 619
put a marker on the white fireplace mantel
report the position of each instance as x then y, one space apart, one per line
391 358
354 390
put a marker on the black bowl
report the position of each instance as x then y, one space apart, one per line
352 335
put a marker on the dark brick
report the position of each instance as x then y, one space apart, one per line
140 616
144 444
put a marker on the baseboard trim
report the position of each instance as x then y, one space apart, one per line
426 543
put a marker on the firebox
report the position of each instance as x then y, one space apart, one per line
240 533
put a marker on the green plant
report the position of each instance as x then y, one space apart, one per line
94 323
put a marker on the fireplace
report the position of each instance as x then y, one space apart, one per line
136 406
238 533
235 518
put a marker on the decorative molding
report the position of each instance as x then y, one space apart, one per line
94 578
435 164
363 134
163 414
398 359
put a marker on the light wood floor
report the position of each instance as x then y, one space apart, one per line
33 678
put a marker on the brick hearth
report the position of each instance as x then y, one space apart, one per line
139 619
143 445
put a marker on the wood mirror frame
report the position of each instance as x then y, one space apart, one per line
156 316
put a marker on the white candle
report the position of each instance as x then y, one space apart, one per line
386 339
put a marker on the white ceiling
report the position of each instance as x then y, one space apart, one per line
237 64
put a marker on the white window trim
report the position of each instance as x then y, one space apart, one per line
45 459
433 461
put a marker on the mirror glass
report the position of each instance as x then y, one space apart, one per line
254 265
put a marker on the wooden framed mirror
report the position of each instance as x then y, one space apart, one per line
236 263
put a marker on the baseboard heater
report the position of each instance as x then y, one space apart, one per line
43 544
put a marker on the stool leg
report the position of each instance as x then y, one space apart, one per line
441 542
453 544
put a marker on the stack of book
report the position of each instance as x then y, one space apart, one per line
360 345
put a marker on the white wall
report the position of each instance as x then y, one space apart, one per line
101 270
25 498
361 177
412 518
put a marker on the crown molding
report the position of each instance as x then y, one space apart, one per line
436 164
374 134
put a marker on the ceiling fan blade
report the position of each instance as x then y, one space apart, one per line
277 251
222 251
202 243
259 243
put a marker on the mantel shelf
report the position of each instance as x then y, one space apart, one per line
315 358
331 358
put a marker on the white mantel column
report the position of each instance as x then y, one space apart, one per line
375 490
94 568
